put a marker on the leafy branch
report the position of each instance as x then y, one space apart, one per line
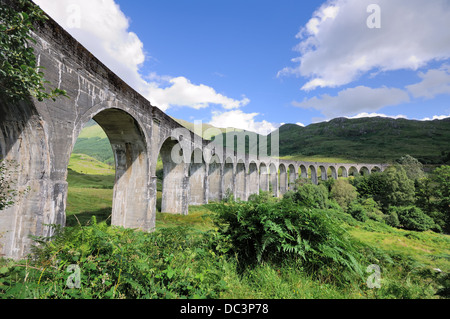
20 76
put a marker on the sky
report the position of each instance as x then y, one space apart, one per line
258 64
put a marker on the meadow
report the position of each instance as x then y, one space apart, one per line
194 257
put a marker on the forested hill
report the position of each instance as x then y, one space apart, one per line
375 139
357 140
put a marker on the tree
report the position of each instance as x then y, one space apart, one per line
441 191
343 192
413 168
20 76
399 190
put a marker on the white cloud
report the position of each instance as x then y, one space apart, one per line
300 124
182 92
436 117
244 121
354 101
364 115
103 29
434 82
337 46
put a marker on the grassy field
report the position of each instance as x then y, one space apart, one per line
413 253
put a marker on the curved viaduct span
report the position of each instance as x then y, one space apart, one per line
40 136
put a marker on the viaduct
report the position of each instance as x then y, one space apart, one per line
40 136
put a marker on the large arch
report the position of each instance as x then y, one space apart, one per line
303 172
364 171
240 181
130 200
253 179
214 179
228 178
314 178
197 175
343 171
333 172
292 177
273 179
263 177
323 173
353 171
283 179
175 180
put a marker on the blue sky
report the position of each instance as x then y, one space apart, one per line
255 64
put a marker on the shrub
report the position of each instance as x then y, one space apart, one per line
313 196
412 218
358 212
343 192
392 219
288 232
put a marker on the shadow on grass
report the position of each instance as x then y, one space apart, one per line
102 215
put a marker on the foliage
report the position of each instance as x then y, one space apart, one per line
20 76
119 263
343 192
412 218
441 193
310 195
358 211
285 231
7 191
413 168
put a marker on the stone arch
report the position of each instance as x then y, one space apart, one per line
303 172
129 145
342 171
333 172
283 180
353 171
273 179
375 169
263 177
197 178
364 171
253 179
240 181
25 142
323 173
292 175
314 178
228 178
175 178
214 179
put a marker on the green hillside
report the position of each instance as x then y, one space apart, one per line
369 139
339 140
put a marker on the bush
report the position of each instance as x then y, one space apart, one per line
285 231
412 218
119 263
313 196
392 219
358 212
343 192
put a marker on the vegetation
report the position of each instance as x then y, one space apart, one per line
304 245
20 76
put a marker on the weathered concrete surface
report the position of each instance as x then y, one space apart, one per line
40 137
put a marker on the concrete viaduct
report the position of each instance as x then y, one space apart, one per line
39 137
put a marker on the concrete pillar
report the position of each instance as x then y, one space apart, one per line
253 179
241 182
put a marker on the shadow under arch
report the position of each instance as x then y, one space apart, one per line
130 207
175 183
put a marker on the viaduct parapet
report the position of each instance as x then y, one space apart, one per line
40 137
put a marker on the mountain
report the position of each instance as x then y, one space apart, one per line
369 139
